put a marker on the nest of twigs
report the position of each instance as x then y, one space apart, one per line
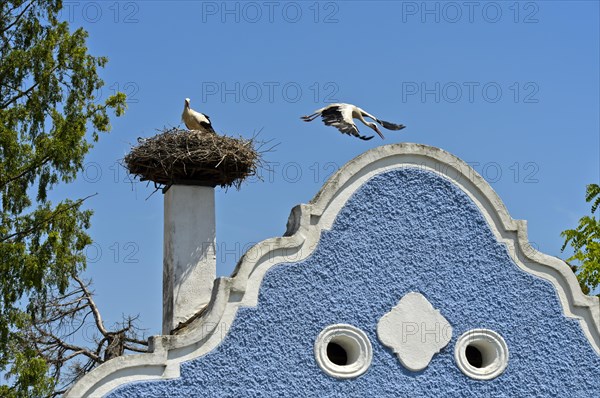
193 158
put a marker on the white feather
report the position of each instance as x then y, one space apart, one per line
195 120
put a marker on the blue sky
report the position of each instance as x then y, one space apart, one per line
510 87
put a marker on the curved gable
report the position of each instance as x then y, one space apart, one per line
396 219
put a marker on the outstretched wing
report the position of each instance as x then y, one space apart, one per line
341 118
390 126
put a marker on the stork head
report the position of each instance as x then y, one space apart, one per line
187 102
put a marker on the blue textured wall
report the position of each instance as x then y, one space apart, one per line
406 230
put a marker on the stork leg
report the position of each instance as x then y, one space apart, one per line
310 118
374 127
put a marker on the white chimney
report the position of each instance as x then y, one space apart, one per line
189 261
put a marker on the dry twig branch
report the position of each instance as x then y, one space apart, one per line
72 346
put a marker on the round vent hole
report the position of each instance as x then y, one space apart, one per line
337 354
343 351
474 356
481 354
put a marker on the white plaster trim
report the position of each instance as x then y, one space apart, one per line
493 349
304 228
356 344
414 330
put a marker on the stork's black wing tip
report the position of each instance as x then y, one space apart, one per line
391 126
207 126
365 138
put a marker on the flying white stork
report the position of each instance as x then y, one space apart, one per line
195 120
341 117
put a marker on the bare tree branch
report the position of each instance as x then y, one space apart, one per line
87 295
57 324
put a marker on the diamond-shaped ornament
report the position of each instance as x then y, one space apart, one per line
415 331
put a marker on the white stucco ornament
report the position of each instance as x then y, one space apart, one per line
415 331
352 343
488 356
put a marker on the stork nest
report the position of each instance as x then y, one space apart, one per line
193 158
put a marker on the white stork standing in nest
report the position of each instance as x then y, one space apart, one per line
195 120
341 117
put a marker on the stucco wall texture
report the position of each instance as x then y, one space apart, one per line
404 230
